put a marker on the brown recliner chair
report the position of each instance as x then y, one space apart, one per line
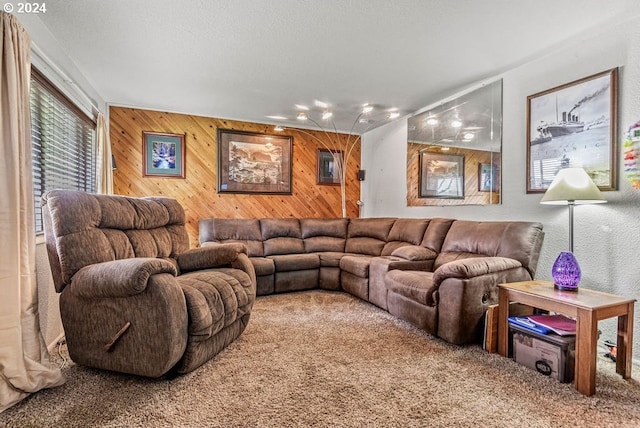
133 297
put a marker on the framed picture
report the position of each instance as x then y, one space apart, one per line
163 155
329 166
487 177
441 176
249 162
573 125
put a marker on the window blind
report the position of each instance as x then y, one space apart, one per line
63 143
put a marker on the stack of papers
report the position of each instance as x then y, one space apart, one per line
559 324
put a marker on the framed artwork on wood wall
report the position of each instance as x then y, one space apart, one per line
163 155
441 176
329 166
250 162
573 125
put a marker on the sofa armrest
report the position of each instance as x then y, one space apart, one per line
210 256
472 267
414 253
118 278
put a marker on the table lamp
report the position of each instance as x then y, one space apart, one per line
571 186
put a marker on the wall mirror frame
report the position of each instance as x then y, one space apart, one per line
468 126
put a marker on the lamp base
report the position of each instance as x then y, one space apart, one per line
566 272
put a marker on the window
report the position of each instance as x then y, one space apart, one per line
63 143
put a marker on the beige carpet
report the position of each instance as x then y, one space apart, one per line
328 359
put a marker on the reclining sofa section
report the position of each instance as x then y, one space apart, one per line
438 274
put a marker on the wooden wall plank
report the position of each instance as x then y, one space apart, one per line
197 192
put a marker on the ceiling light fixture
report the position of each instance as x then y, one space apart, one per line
366 108
455 123
277 117
301 107
327 115
302 116
394 115
432 122
469 136
321 104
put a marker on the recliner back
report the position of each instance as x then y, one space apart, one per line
83 229
518 240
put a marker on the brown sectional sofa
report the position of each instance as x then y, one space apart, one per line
439 274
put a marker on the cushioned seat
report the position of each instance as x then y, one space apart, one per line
289 262
356 265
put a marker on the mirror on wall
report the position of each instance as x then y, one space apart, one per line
454 150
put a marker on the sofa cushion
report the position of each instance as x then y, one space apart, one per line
223 230
291 262
263 266
408 230
335 227
368 235
330 258
356 265
414 285
281 236
436 233
414 253
316 244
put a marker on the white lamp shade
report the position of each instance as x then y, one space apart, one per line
572 185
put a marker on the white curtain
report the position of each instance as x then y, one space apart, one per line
105 168
23 355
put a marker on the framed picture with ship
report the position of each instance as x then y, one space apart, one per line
573 125
250 162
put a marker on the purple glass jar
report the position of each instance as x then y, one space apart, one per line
566 272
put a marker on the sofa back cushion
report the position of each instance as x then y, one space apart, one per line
517 240
281 236
405 231
222 230
82 229
321 235
436 233
368 235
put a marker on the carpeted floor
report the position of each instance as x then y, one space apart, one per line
317 359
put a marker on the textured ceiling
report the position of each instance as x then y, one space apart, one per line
249 59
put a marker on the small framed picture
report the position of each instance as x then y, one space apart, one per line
441 176
329 166
163 155
487 177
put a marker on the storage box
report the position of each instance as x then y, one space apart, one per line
550 354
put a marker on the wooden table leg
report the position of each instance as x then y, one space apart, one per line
503 324
625 340
586 344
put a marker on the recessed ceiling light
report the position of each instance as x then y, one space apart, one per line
321 104
469 136
277 117
366 108
394 115
456 123
431 121
302 116
301 107
327 115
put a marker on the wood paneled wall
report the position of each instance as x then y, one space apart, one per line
197 192
472 160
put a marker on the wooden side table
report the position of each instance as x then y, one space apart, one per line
587 307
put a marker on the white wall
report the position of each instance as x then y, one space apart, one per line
607 237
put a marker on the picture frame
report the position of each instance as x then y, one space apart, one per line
488 177
575 125
328 171
441 176
163 155
250 162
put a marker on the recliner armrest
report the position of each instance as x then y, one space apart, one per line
210 256
472 267
118 278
